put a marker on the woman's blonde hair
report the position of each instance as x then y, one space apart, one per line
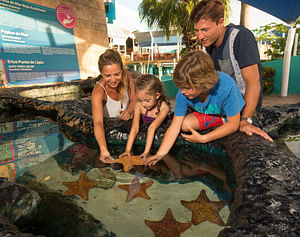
196 70
110 57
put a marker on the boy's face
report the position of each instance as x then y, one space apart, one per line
194 92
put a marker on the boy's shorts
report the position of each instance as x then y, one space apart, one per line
208 121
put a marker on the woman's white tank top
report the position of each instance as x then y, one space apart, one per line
112 107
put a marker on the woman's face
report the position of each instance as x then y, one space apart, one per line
112 74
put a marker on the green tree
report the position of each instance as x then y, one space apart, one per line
273 34
173 16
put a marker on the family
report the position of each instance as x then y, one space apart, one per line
221 88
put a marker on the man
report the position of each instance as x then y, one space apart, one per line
234 51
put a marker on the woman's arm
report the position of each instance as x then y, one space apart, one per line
97 110
134 129
164 110
227 128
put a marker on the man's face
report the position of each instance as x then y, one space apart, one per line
209 32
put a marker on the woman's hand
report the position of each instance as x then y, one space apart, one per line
125 115
106 157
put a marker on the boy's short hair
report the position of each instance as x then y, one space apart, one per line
208 9
195 69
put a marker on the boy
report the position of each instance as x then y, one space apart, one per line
213 95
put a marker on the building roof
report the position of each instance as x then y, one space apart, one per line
144 38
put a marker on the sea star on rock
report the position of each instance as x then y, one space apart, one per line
168 226
136 189
204 209
80 187
129 161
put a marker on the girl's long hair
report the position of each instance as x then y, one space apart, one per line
110 57
152 85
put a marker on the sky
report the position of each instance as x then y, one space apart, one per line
127 15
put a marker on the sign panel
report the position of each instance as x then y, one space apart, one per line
35 47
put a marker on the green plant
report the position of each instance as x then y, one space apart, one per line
275 36
268 74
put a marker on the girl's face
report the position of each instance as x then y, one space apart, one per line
112 74
148 101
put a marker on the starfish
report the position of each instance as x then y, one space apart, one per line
205 210
80 187
136 189
168 226
129 161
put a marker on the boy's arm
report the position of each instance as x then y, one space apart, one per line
227 128
168 140
164 110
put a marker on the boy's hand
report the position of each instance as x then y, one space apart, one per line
152 160
195 137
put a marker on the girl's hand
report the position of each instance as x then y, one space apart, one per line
144 155
125 115
106 158
195 137
152 160
125 153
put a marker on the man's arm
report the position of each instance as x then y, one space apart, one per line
252 80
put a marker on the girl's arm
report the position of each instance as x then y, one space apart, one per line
227 128
164 110
168 140
128 113
97 110
134 129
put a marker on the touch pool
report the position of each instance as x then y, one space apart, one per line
36 154
266 191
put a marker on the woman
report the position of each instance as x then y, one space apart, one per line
112 97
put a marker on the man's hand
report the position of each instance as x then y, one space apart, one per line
250 129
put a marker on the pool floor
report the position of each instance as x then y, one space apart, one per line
35 151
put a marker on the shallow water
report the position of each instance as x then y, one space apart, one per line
35 151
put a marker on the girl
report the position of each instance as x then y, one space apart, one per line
152 107
112 97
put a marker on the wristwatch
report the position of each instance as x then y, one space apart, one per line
248 119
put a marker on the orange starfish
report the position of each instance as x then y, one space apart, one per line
168 226
80 187
205 210
129 161
136 189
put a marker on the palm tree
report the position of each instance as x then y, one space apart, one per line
173 16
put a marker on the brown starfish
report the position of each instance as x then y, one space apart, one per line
168 226
129 161
136 189
80 187
205 210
